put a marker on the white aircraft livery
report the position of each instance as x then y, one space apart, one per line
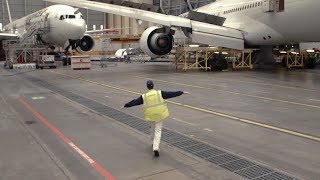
57 25
242 22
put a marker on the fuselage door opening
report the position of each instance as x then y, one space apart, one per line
273 5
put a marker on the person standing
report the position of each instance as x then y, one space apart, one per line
155 111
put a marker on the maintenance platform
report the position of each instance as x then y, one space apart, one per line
67 124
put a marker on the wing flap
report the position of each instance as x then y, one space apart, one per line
210 34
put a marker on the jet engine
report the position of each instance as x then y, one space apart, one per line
156 41
85 44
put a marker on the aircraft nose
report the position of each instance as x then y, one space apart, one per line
77 29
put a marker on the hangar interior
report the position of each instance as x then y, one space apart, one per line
63 108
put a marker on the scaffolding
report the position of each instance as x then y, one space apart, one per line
244 61
25 57
106 46
204 58
191 58
27 51
295 59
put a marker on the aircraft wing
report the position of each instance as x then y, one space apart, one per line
7 36
204 33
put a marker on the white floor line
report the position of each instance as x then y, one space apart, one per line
314 99
191 124
206 129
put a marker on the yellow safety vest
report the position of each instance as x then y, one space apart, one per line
155 108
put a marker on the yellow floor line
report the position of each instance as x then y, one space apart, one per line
206 111
236 93
264 84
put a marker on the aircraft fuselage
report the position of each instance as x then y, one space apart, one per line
60 20
297 23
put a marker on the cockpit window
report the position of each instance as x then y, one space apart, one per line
63 17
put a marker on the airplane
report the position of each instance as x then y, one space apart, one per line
228 23
56 25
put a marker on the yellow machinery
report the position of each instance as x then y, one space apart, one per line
295 59
244 61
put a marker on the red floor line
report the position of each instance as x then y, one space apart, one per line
93 163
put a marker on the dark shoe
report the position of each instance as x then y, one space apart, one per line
156 153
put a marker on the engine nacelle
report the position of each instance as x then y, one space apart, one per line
85 44
156 42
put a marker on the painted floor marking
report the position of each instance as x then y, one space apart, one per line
179 120
37 97
314 100
264 84
93 163
237 93
207 129
286 131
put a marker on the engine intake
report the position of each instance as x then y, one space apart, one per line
155 42
85 44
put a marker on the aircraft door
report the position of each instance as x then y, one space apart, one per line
273 5
280 5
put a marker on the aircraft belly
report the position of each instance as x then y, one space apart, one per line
298 23
254 31
54 37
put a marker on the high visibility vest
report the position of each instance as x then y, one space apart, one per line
155 108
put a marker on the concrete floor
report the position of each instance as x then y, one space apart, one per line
269 117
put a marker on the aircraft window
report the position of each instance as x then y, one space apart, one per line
81 17
72 16
256 4
61 17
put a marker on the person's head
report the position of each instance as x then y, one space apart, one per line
150 84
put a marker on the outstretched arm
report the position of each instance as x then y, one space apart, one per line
171 94
134 102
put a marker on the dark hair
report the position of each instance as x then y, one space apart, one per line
150 84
